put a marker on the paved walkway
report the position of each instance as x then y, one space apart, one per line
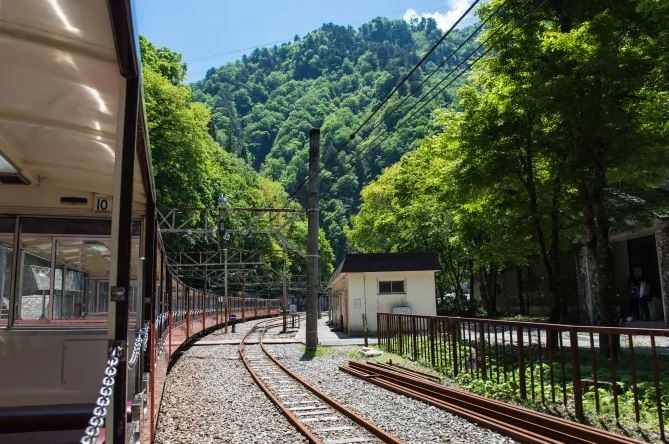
328 337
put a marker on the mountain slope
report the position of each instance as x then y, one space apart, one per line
265 104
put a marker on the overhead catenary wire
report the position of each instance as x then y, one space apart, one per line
408 118
441 65
389 95
414 69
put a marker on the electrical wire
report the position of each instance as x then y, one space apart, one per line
389 95
430 99
441 90
416 66
441 65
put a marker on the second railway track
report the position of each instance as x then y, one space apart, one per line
520 423
317 416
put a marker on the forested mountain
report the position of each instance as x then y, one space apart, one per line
559 140
192 170
265 104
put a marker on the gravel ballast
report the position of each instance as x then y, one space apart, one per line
209 397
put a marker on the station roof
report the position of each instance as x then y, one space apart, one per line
380 262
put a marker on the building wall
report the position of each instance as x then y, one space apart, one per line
662 239
339 303
364 297
534 288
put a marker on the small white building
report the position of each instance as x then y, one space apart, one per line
366 284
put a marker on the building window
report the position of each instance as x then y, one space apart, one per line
391 287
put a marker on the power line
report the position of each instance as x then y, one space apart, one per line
441 65
389 95
441 90
424 104
416 66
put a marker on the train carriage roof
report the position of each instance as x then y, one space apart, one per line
62 99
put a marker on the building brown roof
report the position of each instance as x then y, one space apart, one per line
371 262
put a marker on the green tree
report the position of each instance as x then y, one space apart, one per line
193 170
331 78
587 75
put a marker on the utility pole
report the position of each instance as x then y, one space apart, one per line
223 238
284 297
312 241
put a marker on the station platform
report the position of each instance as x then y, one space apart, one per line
331 338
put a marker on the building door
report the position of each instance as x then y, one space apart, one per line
643 265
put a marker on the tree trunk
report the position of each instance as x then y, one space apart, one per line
549 251
488 280
483 287
522 308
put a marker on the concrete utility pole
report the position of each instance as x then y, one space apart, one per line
312 241
284 296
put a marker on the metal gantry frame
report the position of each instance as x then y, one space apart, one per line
213 268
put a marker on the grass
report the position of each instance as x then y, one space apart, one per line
507 388
320 351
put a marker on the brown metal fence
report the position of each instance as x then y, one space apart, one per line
557 366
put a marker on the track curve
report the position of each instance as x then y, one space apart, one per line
320 418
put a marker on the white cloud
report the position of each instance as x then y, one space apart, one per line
445 19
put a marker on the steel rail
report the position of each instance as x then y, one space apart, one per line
355 417
518 422
292 418
358 419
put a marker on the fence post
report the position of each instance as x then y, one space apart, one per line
400 319
430 327
454 331
521 363
414 346
576 374
480 355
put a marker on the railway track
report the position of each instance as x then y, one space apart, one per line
519 423
317 416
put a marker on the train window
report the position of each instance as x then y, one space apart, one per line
61 279
6 262
34 279
80 263
97 297
63 271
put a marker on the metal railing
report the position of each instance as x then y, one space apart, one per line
587 371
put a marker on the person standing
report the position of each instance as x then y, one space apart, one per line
644 299
633 300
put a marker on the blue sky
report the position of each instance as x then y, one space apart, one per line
212 32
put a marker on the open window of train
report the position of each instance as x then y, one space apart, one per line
6 265
62 272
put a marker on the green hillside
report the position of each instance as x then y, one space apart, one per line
265 104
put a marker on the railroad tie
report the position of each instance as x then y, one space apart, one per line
346 440
333 429
321 418
320 411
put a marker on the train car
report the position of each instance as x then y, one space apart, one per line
91 311
75 193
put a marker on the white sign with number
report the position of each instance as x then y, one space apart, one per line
103 204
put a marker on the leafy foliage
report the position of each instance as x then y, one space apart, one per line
192 169
265 104
560 134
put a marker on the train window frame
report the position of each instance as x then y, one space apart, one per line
82 231
8 227
6 266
